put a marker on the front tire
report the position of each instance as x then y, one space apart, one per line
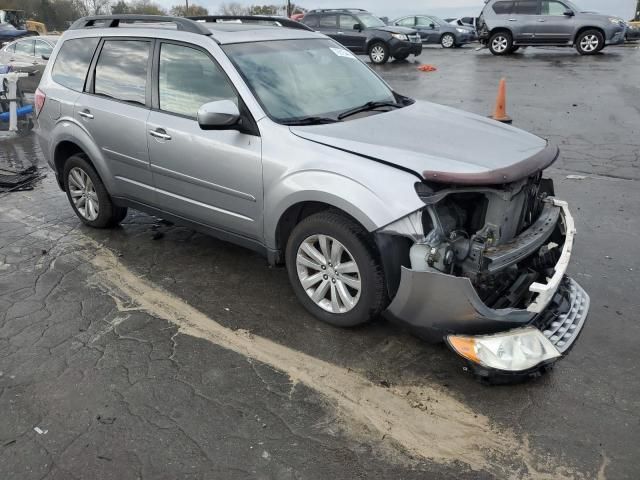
448 40
379 53
335 271
589 42
501 43
88 196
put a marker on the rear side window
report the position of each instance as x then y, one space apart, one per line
527 7
329 21
25 47
503 8
72 62
121 70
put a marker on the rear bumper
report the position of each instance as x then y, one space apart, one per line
435 305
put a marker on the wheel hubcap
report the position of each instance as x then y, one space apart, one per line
377 53
500 44
83 194
589 43
447 41
328 273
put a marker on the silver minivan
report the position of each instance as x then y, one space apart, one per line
283 141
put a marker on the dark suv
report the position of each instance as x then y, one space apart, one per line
363 33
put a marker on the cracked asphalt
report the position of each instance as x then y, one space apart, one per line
153 352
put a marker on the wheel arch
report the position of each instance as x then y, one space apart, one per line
499 30
372 41
581 30
62 152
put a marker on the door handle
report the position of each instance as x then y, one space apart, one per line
160 133
513 19
541 20
86 114
340 33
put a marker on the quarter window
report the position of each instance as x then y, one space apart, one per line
72 62
329 21
121 71
503 8
25 47
551 7
189 79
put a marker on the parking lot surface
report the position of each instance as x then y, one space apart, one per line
151 351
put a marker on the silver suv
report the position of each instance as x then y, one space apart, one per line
507 25
282 141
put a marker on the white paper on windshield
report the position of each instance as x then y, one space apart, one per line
341 52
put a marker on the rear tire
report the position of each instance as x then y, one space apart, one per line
501 43
88 196
344 287
379 53
590 42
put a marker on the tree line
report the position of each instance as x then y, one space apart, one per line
59 14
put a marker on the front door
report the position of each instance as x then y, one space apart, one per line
427 29
113 111
553 26
211 177
353 38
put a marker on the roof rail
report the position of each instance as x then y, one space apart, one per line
282 21
111 21
348 10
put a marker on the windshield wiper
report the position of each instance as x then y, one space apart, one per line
367 107
309 121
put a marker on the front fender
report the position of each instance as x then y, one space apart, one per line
370 208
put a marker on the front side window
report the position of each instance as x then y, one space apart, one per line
370 21
121 71
425 22
296 79
526 7
554 8
347 22
72 62
503 8
25 47
43 49
189 79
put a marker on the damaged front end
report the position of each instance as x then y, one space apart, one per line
484 268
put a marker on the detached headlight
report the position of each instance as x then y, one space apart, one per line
461 30
400 36
513 351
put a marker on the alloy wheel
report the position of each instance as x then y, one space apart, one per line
589 43
83 194
500 44
447 41
328 273
377 54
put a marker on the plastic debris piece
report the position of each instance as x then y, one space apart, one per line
427 68
39 431
576 177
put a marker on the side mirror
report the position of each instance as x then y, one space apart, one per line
357 27
569 13
432 25
220 115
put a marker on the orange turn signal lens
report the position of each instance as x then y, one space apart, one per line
465 347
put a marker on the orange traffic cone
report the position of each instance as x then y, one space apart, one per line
500 112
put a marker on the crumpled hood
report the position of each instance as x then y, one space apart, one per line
439 143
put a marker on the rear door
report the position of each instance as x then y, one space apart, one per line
211 177
552 25
114 109
328 25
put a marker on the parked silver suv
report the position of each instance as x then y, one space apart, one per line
284 142
507 25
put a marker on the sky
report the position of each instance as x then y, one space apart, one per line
442 8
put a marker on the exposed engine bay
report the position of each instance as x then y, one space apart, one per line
503 238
